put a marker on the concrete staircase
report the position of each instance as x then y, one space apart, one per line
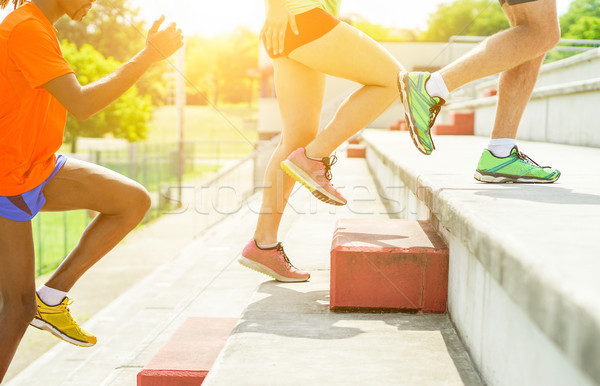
286 333
523 288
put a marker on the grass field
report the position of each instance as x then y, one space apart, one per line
210 135
220 126
54 235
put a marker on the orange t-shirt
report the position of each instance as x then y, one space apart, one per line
32 121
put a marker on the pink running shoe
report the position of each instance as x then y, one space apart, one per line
272 262
315 175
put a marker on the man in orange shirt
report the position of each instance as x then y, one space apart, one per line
37 88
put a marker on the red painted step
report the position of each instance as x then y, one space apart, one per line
354 140
189 353
356 151
388 265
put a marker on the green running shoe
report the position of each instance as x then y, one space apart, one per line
517 167
421 109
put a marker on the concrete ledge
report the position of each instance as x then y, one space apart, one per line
189 354
550 112
562 89
520 236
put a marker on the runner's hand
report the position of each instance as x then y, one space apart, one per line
277 19
164 43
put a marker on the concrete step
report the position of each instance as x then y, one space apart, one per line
203 280
523 258
188 355
288 336
288 325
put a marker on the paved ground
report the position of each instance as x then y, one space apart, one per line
203 279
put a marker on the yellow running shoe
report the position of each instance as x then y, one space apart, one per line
58 321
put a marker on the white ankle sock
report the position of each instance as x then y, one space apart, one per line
51 296
436 87
266 246
501 147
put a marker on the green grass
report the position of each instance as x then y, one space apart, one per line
221 126
210 135
54 235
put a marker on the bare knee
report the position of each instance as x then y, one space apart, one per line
19 309
136 202
549 36
544 30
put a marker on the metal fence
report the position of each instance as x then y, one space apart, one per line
218 176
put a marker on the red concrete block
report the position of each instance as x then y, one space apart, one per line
462 118
442 129
189 353
488 92
355 140
399 125
356 151
388 265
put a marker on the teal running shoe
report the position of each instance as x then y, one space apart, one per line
421 109
517 168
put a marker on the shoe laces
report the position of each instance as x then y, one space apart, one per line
281 252
62 309
328 162
435 110
526 158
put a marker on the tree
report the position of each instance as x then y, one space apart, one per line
380 33
115 29
126 118
587 27
217 68
582 20
200 69
465 17
237 53
579 9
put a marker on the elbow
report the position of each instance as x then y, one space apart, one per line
81 114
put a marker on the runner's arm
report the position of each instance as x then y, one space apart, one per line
85 101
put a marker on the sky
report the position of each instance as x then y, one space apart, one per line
214 17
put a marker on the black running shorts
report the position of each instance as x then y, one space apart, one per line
515 2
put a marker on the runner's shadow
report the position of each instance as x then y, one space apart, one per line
540 193
305 314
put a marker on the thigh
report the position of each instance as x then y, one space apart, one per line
300 92
345 52
540 13
17 261
84 185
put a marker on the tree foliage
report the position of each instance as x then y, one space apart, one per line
381 33
582 20
127 118
217 68
112 27
465 17
115 29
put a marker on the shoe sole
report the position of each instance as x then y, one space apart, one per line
507 180
410 119
42 325
299 175
260 268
